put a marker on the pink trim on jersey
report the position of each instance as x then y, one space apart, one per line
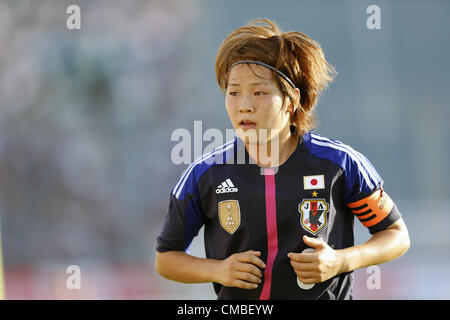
272 237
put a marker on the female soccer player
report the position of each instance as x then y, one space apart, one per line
261 214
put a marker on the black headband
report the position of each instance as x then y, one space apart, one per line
267 66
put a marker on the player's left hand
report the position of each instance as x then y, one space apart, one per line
318 266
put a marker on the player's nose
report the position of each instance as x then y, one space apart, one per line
246 105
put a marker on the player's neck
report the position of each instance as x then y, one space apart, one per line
275 152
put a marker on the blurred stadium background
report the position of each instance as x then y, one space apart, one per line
86 118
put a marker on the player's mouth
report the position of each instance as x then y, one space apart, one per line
247 124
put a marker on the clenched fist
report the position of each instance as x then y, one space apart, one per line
318 266
241 270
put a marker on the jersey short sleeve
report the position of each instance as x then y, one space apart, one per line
186 214
185 217
364 193
366 197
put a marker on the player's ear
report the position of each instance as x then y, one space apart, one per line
296 101
293 102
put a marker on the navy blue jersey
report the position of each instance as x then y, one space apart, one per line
317 192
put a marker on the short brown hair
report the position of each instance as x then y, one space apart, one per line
293 53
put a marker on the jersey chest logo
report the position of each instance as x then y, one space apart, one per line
313 214
229 215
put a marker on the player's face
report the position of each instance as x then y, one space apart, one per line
254 101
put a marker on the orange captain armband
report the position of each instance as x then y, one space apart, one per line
372 209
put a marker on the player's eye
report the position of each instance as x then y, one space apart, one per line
233 93
259 93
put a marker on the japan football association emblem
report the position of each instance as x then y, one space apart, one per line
313 214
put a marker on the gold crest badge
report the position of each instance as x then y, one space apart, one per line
229 215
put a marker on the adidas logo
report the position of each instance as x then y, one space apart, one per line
226 187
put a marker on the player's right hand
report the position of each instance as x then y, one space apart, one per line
241 270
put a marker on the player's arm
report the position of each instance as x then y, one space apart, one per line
390 238
325 262
242 270
383 246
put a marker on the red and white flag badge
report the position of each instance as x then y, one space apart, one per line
314 182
